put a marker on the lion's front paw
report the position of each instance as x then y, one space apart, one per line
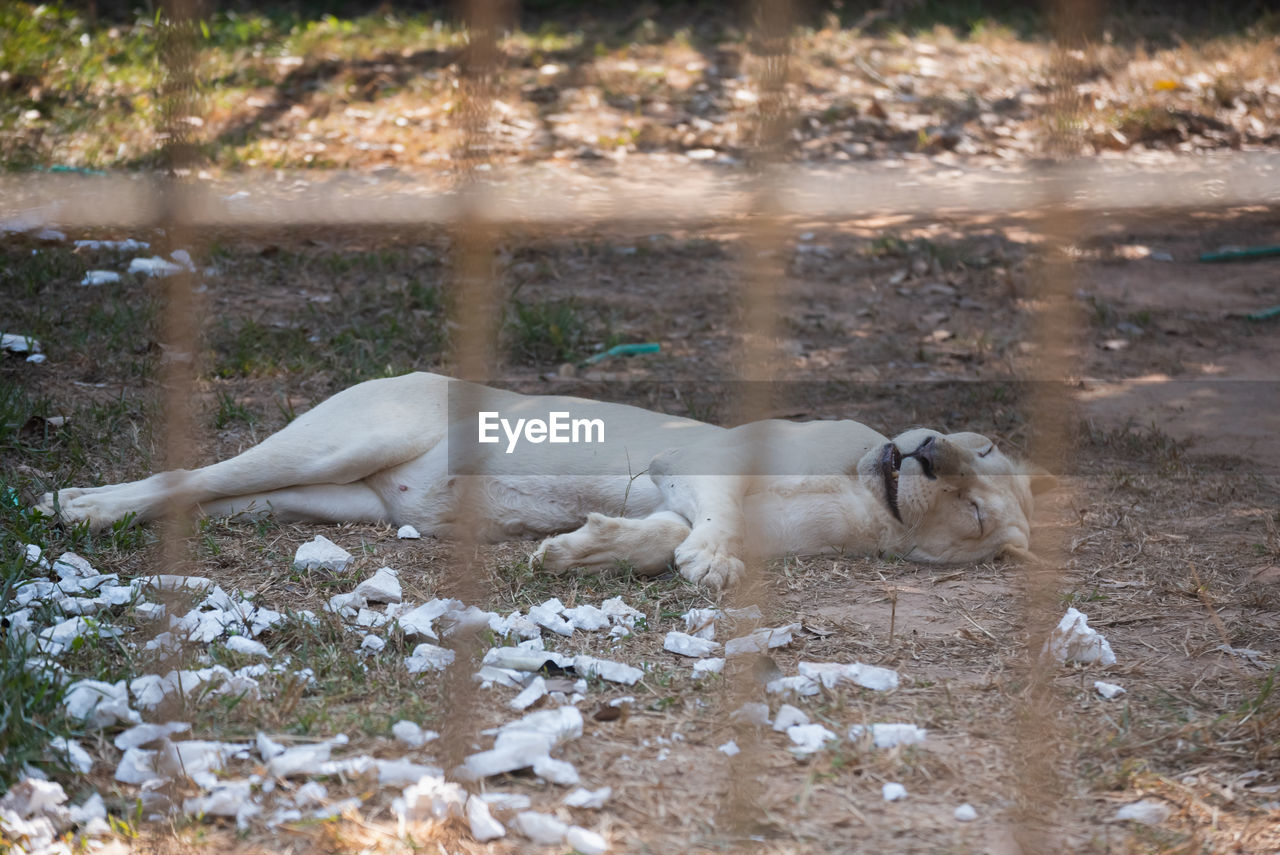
549 555
709 563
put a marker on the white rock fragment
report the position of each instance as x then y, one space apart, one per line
540 828
965 813
888 735
532 693
321 554
346 605
428 657
584 798
1146 812
584 841
688 645
701 622
832 674
145 734
99 277
729 749
606 669
99 704
483 826
382 587
760 641
893 792
789 716
707 667
411 735
407 532
247 646
71 751
1108 690
69 565
1074 641
808 738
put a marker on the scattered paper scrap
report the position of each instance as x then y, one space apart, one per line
965 813
760 641
1108 690
888 735
1145 812
689 645
407 532
584 798
1074 641
321 554
729 749
100 277
893 792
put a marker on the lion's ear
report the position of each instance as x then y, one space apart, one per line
1042 480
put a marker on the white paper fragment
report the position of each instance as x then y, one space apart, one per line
688 645
536 689
889 735
321 554
965 813
1074 641
247 646
298 760
832 674
402 773
620 613
407 532
1108 690
760 641
515 624
228 798
587 617
432 797
483 826
540 828
808 738
584 841
171 582
605 669
99 704
75 755
137 766
100 277
799 684
382 587
706 667
523 659
752 713
548 616
411 735
69 565
1146 812
893 792
156 267
15 343
556 771
127 245
267 747
701 622
428 657
789 716
506 801
145 734
418 621
729 749
372 644
90 815
584 798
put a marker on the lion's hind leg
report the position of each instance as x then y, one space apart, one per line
648 544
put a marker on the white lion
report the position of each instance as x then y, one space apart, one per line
654 490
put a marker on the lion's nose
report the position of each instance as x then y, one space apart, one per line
927 454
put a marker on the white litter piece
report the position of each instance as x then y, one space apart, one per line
433 797
832 674
321 554
127 245
706 667
789 716
689 645
247 646
99 704
346 605
70 565
506 801
620 613
532 693
15 343
1108 690
368 618
893 792
515 624
606 669
760 641
169 582
965 813
1146 812
156 267
402 772
407 532
137 766
267 747
587 617
75 755
729 749
411 735
144 734
548 616
540 828
752 713
382 587
483 826
428 657
799 684
1074 641
91 816
749 613
584 798
37 358
556 771
808 738
523 659
558 725
418 621
310 793
195 756
889 735
468 620
701 622
100 277
584 841
299 760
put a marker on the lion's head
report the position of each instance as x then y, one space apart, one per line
956 497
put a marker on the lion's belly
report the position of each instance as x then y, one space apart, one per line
528 506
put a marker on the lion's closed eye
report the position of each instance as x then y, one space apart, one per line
977 514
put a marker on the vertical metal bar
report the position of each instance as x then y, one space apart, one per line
764 275
476 309
1055 328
